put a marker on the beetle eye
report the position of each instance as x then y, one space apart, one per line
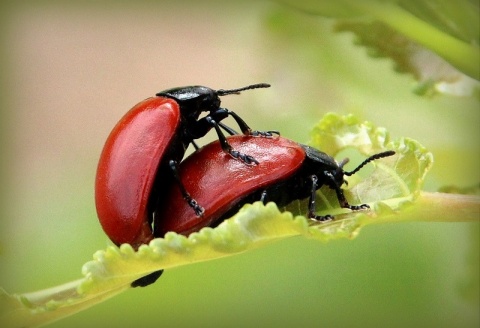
209 104
339 175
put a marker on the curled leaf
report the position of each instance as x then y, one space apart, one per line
390 188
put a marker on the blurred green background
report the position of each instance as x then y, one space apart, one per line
69 72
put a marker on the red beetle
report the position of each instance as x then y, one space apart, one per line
141 154
286 171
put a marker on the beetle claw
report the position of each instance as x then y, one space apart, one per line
199 210
321 218
265 134
359 207
244 158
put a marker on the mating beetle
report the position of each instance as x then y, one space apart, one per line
287 171
141 153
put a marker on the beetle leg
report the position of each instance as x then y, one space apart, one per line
340 196
247 159
247 130
191 202
222 113
195 145
263 197
311 202
147 280
229 130
265 134
226 146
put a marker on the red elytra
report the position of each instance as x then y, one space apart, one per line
127 167
218 182
142 153
286 171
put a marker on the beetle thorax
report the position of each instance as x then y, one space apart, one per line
193 100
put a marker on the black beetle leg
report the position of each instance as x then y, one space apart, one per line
247 130
195 145
229 130
311 203
241 123
263 197
341 197
226 146
147 280
191 202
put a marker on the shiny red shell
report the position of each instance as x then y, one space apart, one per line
128 166
218 182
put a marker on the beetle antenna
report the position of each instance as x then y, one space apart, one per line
222 92
371 158
342 163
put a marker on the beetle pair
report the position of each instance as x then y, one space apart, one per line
141 154
139 182
287 171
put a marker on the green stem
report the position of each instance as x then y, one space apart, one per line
463 56
442 207
437 207
45 306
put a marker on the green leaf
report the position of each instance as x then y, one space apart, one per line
397 177
434 74
392 188
448 29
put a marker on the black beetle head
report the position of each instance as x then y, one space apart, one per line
194 99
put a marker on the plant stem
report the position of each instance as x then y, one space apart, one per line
442 207
463 56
